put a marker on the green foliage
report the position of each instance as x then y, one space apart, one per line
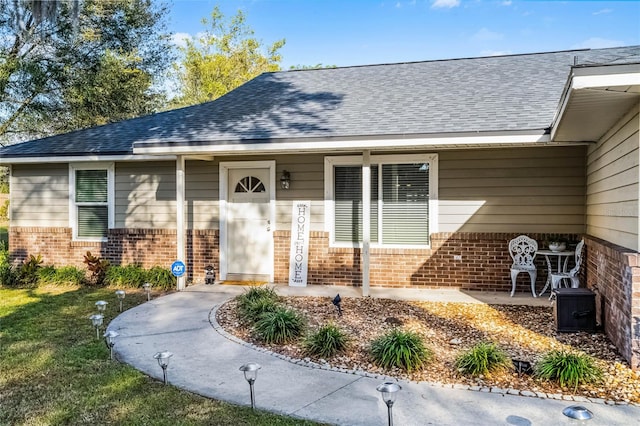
132 276
255 301
568 368
4 210
401 349
483 358
28 271
310 67
79 70
281 326
161 278
327 341
64 276
97 267
225 56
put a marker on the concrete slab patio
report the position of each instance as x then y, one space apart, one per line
206 361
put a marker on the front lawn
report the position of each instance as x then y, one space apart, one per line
55 371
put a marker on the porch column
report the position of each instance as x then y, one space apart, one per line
366 219
180 228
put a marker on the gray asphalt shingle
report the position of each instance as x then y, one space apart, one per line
502 93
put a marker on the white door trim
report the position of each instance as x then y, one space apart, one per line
224 190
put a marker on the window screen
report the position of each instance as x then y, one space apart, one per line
92 203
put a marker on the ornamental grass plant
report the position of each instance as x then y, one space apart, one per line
280 326
400 349
568 368
326 341
481 359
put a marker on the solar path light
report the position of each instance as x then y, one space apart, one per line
109 340
163 362
102 306
96 320
147 289
250 371
120 294
578 414
388 391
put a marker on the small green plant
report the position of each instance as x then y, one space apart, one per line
160 278
568 368
281 326
252 310
28 271
482 358
131 276
255 293
65 275
97 267
4 210
327 341
401 349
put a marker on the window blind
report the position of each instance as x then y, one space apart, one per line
348 203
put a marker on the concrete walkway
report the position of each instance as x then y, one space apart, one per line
206 361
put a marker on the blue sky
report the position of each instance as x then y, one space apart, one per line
357 32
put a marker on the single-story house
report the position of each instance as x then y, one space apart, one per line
407 175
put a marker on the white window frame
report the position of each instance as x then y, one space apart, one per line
73 210
356 160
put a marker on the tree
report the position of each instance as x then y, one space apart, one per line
225 56
59 73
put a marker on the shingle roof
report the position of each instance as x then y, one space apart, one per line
500 93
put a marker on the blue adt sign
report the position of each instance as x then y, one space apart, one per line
178 269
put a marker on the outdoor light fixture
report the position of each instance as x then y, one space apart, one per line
109 340
163 362
388 391
120 294
578 413
96 320
285 180
250 371
147 289
101 305
522 367
336 301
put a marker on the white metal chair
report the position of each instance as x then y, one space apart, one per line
572 275
523 251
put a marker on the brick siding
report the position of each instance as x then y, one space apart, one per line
613 273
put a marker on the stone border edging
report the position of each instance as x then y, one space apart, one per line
306 362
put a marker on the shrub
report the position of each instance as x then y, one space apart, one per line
8 275
327 341
256 293
568 368
4 210
28 271
482 359
252 309
401 349
97 267
281 326
65 275
132 276
160 278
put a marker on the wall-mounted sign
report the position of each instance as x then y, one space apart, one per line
178 268
299 254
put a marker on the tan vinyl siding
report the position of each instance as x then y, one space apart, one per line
145 195
612 184
202 194
512 190
40 195
307 183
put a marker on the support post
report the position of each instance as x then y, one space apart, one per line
180 227
366 219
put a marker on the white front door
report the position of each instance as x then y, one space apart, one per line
249 241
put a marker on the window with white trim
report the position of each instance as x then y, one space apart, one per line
91 198
403 194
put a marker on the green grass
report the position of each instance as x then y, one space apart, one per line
401 349
483 358
54 371
280 326
568 368
327 341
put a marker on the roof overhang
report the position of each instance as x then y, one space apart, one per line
595 98
82 158
345 144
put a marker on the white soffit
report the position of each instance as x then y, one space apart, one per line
596 98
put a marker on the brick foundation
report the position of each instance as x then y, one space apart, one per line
145 247
613 273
